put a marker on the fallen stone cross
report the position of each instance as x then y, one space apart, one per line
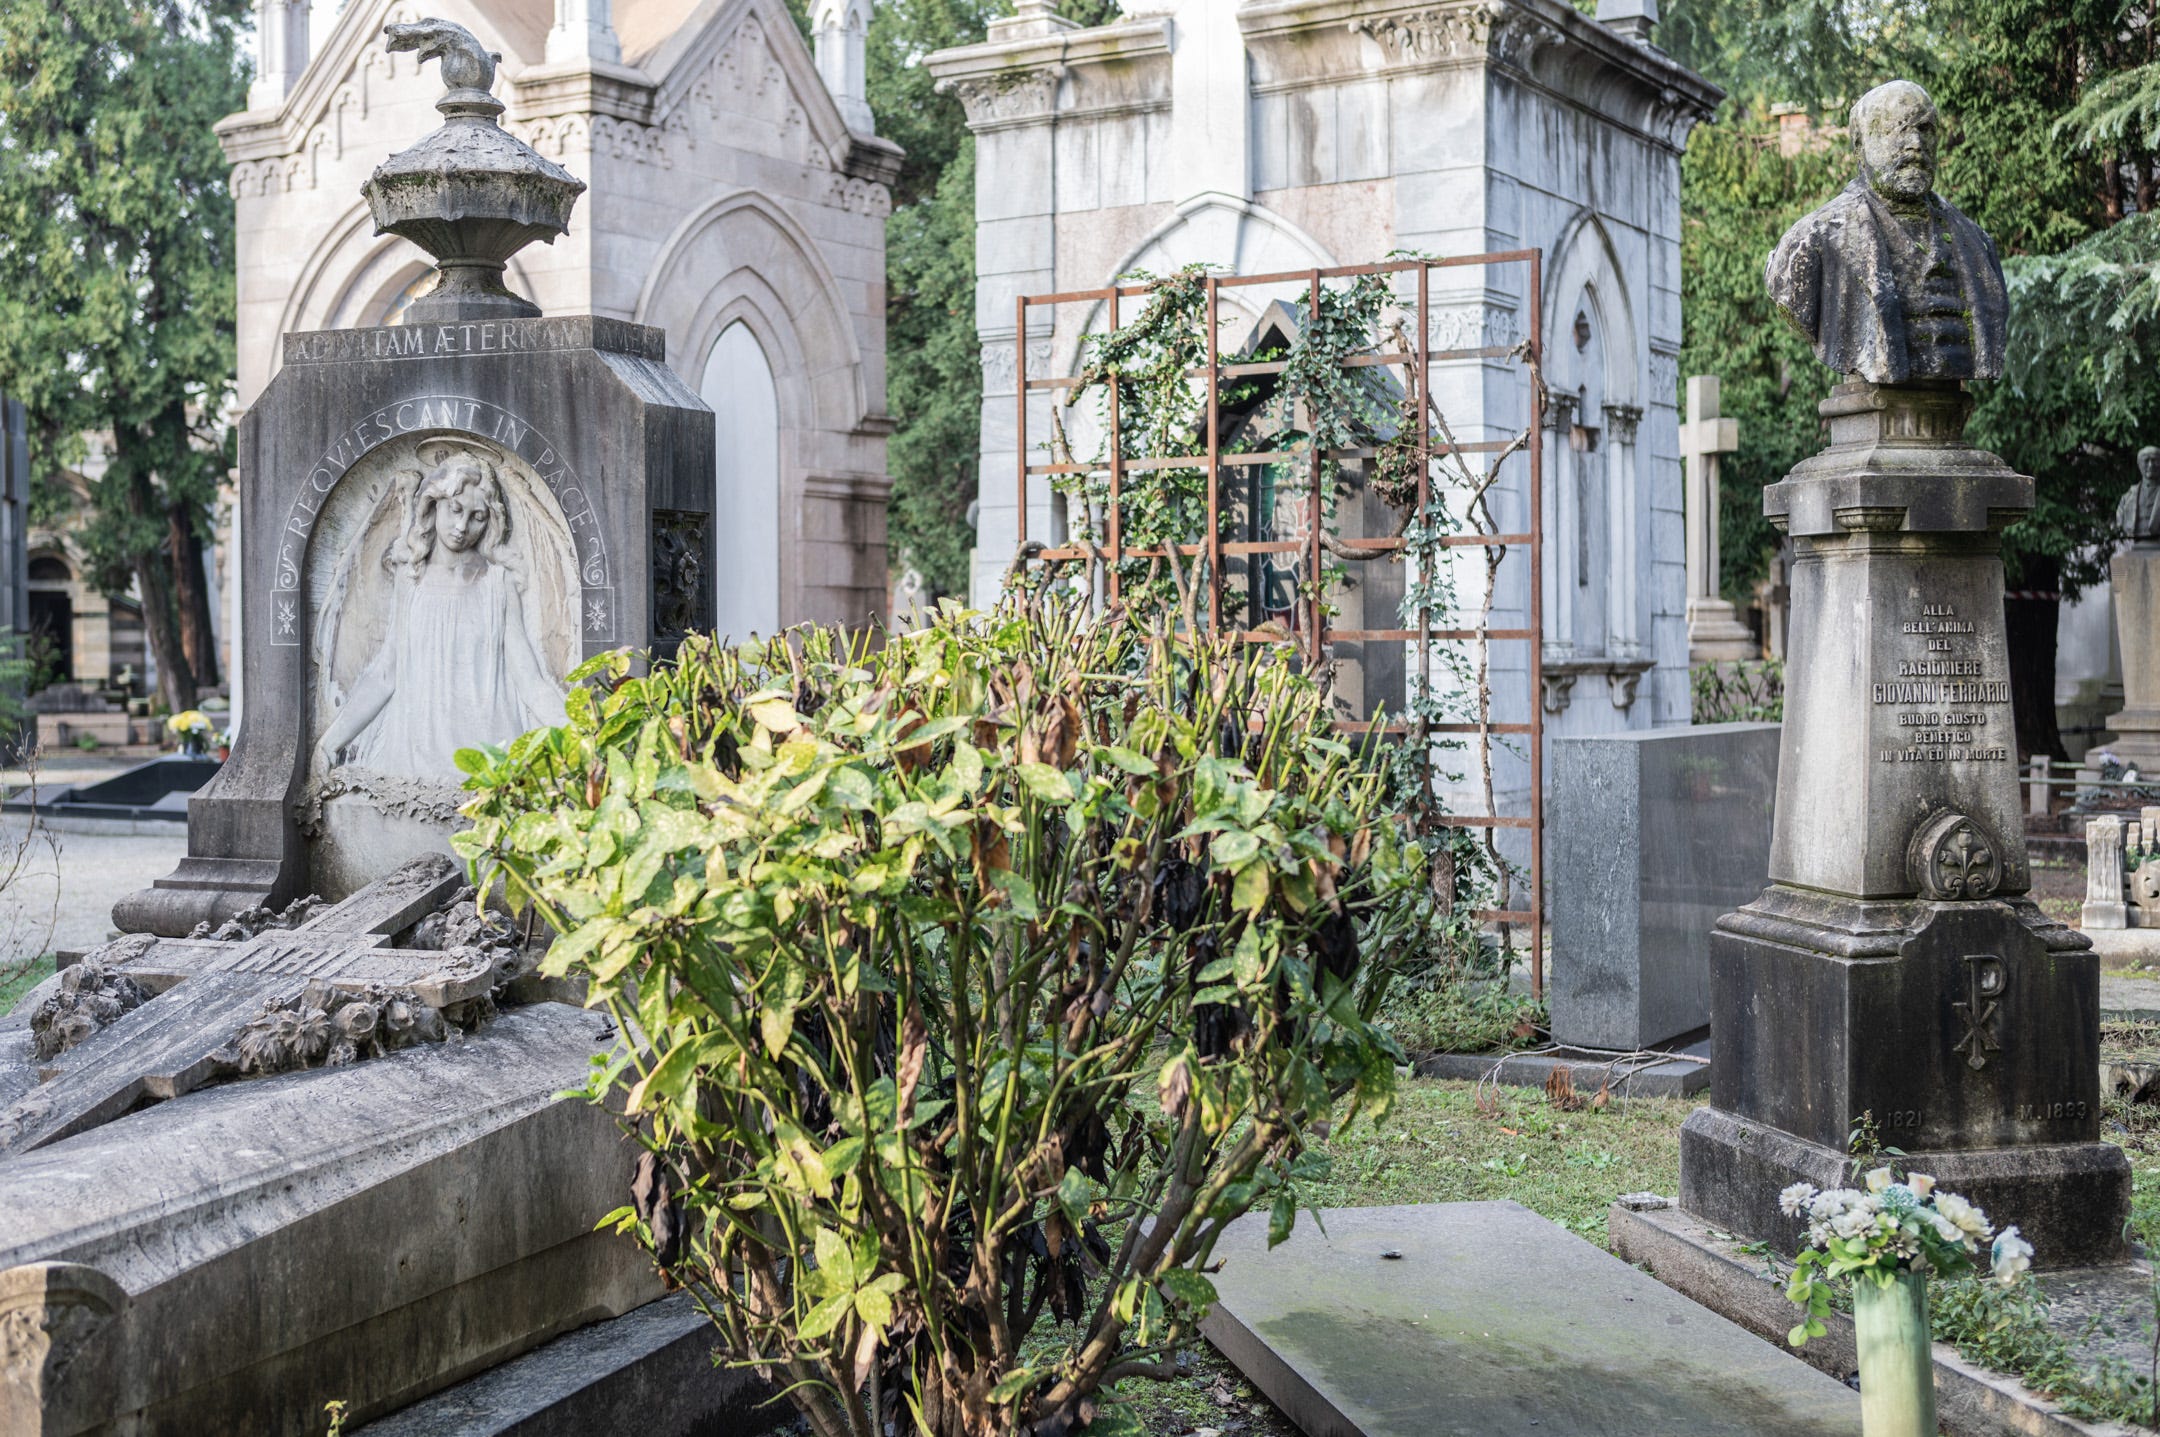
205 992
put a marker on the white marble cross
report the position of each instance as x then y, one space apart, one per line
205 991
1714 632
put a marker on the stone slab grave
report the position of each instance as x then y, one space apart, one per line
209 991
651 1371
231 1260
1483 1318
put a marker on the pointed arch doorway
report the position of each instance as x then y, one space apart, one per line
738 384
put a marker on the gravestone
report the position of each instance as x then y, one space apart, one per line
252 1161
1652 837
1895 966
1713 631
2134 576
441 519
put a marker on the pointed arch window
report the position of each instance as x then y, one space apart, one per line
738 384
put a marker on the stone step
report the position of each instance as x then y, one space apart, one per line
1481 1318
649 1372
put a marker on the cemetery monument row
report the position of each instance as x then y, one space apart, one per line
1895 966
441 519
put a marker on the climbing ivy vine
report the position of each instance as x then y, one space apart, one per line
1328 402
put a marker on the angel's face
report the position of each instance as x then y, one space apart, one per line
461 516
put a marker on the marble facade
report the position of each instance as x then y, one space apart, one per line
1316 133
736 201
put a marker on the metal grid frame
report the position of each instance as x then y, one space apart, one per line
1317 636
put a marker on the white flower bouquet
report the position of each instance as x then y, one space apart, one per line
1893 1226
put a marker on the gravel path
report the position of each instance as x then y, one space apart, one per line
57 889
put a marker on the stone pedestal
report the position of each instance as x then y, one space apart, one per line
2135 576
1894 967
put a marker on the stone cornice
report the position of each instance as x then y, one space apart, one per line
1547 43
585 87
1015 82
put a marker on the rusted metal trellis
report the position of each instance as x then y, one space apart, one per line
1311 628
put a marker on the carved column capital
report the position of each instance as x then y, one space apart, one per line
1005 97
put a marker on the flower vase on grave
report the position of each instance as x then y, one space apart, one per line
1897 1360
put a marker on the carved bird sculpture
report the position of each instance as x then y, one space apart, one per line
466 64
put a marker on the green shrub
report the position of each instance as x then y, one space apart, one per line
1738 691
967 982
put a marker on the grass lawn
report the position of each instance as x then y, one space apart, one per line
14 983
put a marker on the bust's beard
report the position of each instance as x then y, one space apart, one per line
1903 184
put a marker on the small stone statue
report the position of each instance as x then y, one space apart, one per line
2138 515
1889 281
466 63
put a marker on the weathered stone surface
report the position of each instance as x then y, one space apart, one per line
653 1372
1653 835
1477 1318
2134 575
2104 904
1970 1037
1669 1073
370 1233
1895 969
470 194
590 440
1889 281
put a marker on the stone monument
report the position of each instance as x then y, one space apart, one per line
318 1148
443 517
1895 966
1714 632
2135 578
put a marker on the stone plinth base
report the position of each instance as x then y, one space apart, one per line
1715 633
2069 1199
1968 1032
1728 1277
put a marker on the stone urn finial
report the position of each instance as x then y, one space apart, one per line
471 194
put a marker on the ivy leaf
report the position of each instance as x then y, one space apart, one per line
1249 891
1233 848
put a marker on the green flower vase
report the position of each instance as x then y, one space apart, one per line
1897 1360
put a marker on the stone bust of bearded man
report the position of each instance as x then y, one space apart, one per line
1889 281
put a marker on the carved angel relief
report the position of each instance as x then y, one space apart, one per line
448 615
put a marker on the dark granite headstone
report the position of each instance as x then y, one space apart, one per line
1895 966
439 521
